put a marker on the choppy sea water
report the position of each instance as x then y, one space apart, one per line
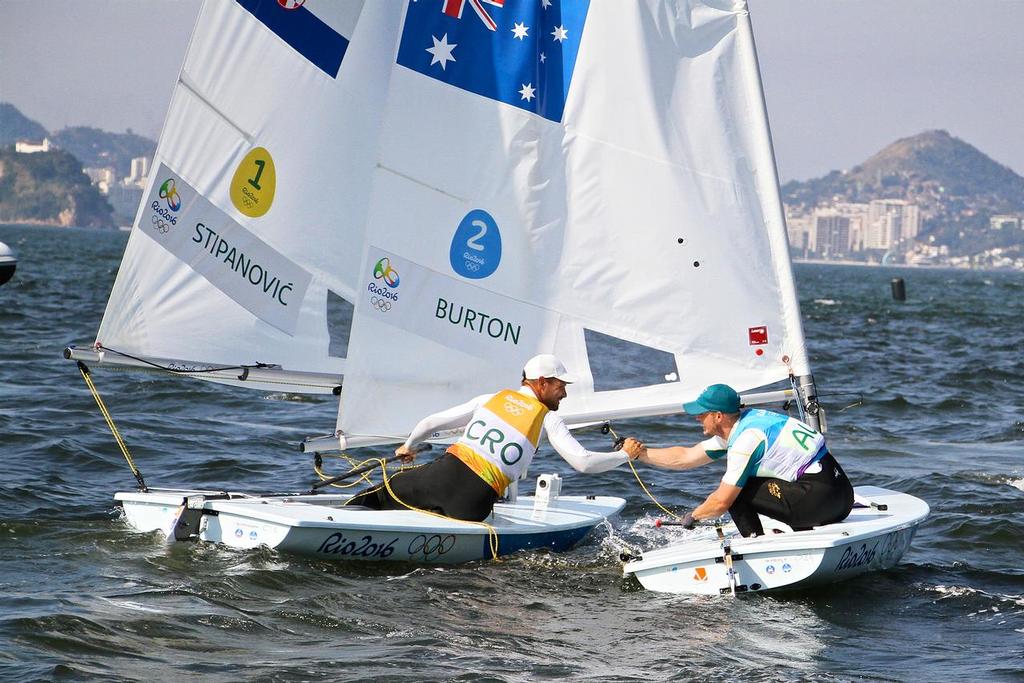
925 396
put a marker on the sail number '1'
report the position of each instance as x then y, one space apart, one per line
254 183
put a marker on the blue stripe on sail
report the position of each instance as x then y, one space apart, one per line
303 31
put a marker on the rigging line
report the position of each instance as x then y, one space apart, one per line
167 368
86 375
858 402
364 477
492 533
606 428
649 494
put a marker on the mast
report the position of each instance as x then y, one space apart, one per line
801 377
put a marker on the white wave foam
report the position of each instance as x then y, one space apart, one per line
947 592
826 302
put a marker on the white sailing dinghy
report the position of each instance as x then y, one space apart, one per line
244 264
874 536
477 182
881 526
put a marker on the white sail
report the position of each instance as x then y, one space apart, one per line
252 221
555 174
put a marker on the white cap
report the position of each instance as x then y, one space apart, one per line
546 365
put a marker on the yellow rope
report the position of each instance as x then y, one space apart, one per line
649 494
364 477
492 533
636 474
110 422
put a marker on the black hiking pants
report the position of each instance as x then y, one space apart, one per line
445 486
812 500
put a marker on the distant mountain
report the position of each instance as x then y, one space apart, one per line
92 146
98 148
957 187
49 187
16 126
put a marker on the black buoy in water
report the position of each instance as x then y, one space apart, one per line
8 262
899 289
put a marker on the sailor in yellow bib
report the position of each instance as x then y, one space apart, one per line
501 434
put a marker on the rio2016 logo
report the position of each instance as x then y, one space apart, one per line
169 193
384 271
383 298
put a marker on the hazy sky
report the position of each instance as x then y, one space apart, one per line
843 78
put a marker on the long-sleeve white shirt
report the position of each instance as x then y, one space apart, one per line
559 436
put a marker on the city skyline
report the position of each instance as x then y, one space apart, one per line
842 80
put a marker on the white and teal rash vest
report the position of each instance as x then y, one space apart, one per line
767 444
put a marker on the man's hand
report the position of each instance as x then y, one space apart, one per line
405 453
634 448
688 522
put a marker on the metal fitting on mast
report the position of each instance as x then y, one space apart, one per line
811 411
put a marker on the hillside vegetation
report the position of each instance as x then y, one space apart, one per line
956 186
49 187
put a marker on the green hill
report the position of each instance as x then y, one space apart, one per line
49 187
16 126
95 147
956 186
92 146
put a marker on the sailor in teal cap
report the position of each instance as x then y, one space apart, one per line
776 466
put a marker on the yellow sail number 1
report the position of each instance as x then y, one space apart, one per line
254 183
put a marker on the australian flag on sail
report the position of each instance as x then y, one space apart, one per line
302 30
520 52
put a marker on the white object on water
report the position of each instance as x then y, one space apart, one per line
549 486
320 526
869 539
8 263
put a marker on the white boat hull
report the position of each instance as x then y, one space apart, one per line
320 526
868 539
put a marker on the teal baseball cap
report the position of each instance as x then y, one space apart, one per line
717 397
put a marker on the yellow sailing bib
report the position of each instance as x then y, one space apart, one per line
501 438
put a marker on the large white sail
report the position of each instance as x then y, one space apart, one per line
558 177
252 221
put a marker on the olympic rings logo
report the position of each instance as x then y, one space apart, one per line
169 192
472 267
160 226
384 271
380 303
431 546
513 409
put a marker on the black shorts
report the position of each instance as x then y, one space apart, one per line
824 497
445 486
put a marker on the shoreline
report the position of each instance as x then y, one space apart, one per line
921 266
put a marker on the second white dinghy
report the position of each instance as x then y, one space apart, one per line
873 537
321 526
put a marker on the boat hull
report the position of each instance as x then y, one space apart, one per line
321 526
869 539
